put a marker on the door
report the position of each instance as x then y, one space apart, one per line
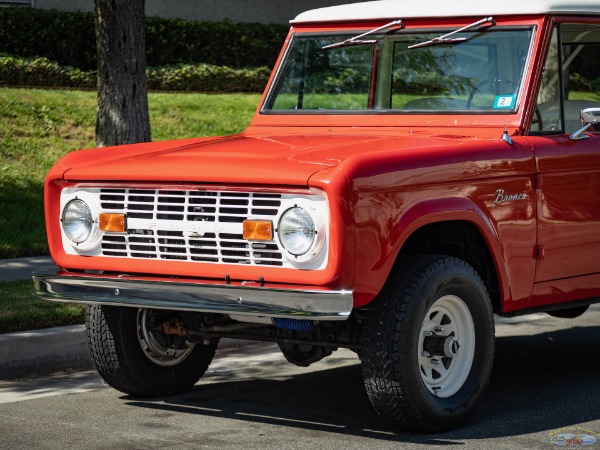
568 204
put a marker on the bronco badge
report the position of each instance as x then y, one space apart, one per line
502 197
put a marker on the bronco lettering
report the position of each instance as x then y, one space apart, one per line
501 197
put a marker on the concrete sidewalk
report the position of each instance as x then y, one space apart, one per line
39 351
45 351
22 268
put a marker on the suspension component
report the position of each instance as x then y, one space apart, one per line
293 324
177 328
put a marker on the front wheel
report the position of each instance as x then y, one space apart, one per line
133 355
428 344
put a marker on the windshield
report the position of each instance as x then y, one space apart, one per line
482 72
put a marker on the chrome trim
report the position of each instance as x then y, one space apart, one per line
195 225
188 296
589 117
578 135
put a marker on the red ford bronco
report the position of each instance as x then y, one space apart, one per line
412 169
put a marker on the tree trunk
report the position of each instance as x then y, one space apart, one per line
122 116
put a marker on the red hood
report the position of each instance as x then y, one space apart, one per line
283 160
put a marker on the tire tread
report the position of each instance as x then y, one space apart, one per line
384 377
119 359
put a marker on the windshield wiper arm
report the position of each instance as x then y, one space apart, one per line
356 39
448 39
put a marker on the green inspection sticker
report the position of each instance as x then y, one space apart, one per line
504 102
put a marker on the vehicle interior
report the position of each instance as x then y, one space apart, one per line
571 80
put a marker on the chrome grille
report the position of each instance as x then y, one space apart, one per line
190 225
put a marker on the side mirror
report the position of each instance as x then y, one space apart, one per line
590 116
589 122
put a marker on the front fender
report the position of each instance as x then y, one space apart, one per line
386 221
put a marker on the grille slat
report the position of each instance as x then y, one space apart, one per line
167 211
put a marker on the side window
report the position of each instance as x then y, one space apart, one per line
581 71
548 115
570 80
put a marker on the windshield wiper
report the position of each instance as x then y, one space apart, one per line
356 39
448 39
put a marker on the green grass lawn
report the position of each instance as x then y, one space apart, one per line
21 310
37 127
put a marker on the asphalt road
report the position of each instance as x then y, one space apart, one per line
544 386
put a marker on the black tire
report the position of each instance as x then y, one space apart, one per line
116 350
399 377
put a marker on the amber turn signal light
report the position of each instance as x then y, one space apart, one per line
258 230
114 223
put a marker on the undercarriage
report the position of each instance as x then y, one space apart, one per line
303 342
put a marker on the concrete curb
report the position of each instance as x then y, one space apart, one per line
44 351
60 349
40 352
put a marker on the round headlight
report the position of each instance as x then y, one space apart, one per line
296 231
77 221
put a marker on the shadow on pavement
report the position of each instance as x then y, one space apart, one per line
540 383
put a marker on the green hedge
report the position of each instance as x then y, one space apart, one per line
577 82
69 39
175 41
207 78
184 77
42 72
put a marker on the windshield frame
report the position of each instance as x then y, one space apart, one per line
266 107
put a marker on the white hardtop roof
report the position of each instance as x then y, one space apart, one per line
404 9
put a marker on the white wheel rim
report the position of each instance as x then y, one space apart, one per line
154 350
449 320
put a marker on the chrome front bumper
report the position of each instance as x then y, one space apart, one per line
289 302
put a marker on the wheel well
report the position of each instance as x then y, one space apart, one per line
462 240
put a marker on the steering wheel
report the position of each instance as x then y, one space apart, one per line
490 81
537 119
